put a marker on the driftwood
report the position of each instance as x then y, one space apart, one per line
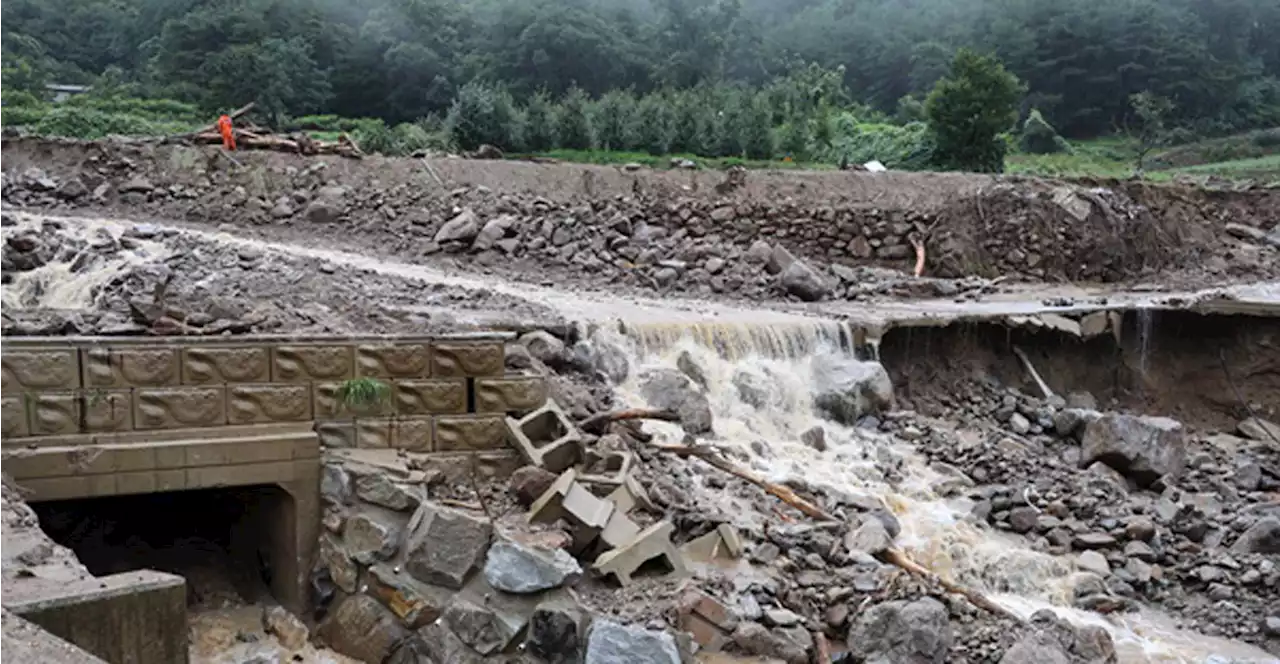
778 491
599 423
249 140
821 649
213 126
891 555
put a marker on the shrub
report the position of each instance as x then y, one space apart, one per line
969 109
1039 137
655 124
905 147
88 123
483 114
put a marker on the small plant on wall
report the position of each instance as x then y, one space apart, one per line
363 394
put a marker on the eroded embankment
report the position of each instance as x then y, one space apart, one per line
1207 370
674 232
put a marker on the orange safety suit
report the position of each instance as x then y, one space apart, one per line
228 134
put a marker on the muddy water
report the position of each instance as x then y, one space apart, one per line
782 344
934 530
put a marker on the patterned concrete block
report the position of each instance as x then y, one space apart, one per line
512 394
312 362
466 433
13 417
39 369
328 404
249 404
107 410
415 434
131 367
393 360
54 413
179 407
226 364
431 397
337 434
456 359
373 433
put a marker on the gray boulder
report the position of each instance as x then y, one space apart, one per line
803 282
756 388
545 348
446 545
902 632
1052 640
462 228
669 389
1142 448
515 568
494 230
845 389
1262 537
611 643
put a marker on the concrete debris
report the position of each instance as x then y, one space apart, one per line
709 621
546 438
291 632
529 482
608 469
653 543
723 543
901 632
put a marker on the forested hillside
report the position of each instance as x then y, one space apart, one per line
1218 60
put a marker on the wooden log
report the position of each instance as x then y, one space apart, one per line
598 423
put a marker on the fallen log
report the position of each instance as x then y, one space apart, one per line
891 555
778 491
597 424
213 126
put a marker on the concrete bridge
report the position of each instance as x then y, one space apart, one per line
89 417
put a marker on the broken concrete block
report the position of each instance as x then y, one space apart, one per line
619 531
653 543
566 499
446 545
546 438
611 468
709 621
630 495
723 543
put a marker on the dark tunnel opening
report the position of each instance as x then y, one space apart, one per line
224 542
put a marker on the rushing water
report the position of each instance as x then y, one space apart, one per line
934 529
782 348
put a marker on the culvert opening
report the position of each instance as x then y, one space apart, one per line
229 544
1199 368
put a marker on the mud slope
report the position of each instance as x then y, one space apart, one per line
675 232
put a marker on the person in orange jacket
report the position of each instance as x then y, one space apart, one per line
228 134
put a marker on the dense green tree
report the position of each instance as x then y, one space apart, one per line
614 120
575 121
540 130
483 114
969 109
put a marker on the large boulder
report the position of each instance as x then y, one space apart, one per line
446 545
556 630
803 282
756 387
845 389
670 389
516 568
902 632
462 228
362 628
1052 640
1143 448
1262 537
545 348
609 642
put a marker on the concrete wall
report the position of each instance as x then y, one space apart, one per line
86 417
135 617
